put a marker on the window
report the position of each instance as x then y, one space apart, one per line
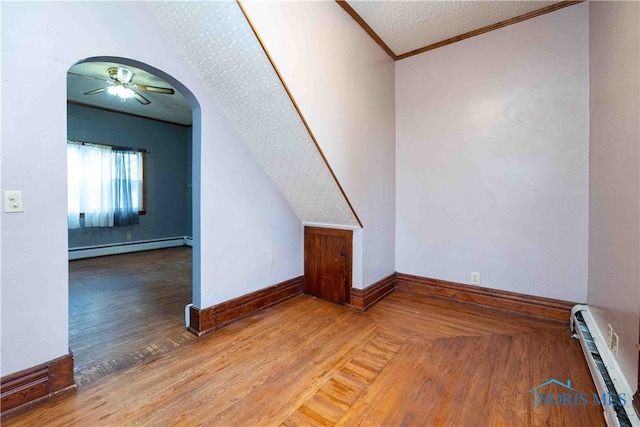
105 185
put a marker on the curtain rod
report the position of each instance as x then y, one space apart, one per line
117 147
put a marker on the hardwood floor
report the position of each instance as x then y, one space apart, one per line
409 360
124 309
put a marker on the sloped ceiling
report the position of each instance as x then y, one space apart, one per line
220 46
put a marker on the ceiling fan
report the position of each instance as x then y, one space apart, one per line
122 86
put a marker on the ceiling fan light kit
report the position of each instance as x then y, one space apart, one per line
121 85
120 74
121 91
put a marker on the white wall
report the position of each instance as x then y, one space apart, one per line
492 155
614 175
250 238
344 85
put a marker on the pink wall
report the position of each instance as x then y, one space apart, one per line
492 156
614 174
243 248
344 85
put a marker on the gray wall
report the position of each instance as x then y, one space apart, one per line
168 172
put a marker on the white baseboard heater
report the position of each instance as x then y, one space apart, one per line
606 373
127 247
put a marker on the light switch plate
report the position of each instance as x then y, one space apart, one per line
13 201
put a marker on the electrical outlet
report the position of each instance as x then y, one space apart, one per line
475 278
128 236
614 344
609 336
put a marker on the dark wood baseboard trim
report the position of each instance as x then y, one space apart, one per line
547 308
363 299
22 390
205 321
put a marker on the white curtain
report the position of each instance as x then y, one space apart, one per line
104 184
90 185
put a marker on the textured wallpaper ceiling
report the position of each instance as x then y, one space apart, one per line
409 25
216 40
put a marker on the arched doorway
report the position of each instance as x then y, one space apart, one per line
129 281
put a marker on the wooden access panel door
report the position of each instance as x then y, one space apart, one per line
327 263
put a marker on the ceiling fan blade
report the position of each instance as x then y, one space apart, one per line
141 99
155 89
93 92
90 77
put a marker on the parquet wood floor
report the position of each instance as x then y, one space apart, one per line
409 360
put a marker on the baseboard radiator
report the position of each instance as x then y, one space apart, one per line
606 373
128 247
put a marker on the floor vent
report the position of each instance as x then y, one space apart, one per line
604 369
